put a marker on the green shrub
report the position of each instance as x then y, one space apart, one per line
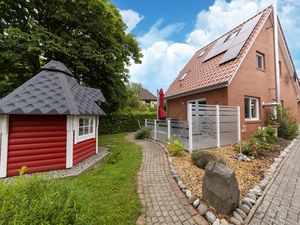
176 148
113 156
143 134
123 122
37 200
202 158
288 127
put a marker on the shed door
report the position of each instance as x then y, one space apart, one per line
37 142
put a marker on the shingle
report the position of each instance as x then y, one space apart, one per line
53 91
203 74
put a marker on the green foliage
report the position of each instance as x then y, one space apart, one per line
143 134
36 200
87 35
261 142
288 127
123 121
22 170
176 148
113 157
202 158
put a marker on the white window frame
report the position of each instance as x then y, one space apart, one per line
196 102
79 138
250 112
262 56
183 76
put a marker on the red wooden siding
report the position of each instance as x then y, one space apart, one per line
38 142
83 150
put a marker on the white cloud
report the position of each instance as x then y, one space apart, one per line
163 59
131 18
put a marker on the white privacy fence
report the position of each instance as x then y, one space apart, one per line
208 126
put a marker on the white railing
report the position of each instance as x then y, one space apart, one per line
210 126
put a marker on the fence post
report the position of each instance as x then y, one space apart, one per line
146 123
218 125
190 116
155 130
239 124
169 131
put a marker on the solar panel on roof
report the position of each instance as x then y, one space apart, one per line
214 51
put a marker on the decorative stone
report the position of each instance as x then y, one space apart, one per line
202 209
235 221
224 222
237 216
247 203
241 213
188 194
220 188
181 184
252 201
210 216
192 199
196 203
244 208
251 195
217 222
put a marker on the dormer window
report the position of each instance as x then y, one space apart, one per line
183 76
201 54
231 35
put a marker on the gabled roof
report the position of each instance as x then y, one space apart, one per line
53 91
146 95
204 72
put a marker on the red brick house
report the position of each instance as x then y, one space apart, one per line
147 97
238 69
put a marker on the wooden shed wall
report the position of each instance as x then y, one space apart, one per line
38 142
83 150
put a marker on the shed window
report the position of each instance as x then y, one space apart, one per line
251 108
260 61
85 129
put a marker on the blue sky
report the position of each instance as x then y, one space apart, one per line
170 31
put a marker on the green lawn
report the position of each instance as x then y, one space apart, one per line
110 190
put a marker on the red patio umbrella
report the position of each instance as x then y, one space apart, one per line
161 111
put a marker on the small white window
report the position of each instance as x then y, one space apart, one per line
251 108
183 76
85 128
260 61
201 54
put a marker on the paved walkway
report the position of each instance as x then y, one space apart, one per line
163 201
281 204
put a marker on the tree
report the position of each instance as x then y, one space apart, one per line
87 35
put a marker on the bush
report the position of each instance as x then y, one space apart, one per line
37 200
143 134
176 148
202 158
123 122
288 127
113 156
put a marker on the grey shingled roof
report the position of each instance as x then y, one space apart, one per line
53 91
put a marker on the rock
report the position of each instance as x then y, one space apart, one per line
251 195
217 222
224 222
220 188
247 203
196 203
244 208
183 190
181 184
188 194
202 209
255 191
235 221
237 216
263 184
241 213
192 199
210 216
252 201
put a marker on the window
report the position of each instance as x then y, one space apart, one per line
85 129
201 54
260 61
280 69
183 76
251 108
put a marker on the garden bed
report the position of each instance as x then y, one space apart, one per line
248 174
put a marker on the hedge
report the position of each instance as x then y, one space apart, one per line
123 122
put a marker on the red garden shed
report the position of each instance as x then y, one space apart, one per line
48 123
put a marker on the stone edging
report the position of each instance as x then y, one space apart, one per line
247 206
270 175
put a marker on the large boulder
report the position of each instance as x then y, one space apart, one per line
220 188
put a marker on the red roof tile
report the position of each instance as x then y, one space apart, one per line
146 95
209 74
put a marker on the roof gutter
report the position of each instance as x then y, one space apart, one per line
200 90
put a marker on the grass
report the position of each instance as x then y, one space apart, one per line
110 190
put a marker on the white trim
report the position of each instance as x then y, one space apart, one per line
196 105
257 109
4 129
169 131
70 137
218 125
190 115
79 138
239 123
250 46
262 57
155 129
97 134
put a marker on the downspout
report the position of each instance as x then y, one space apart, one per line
276 53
